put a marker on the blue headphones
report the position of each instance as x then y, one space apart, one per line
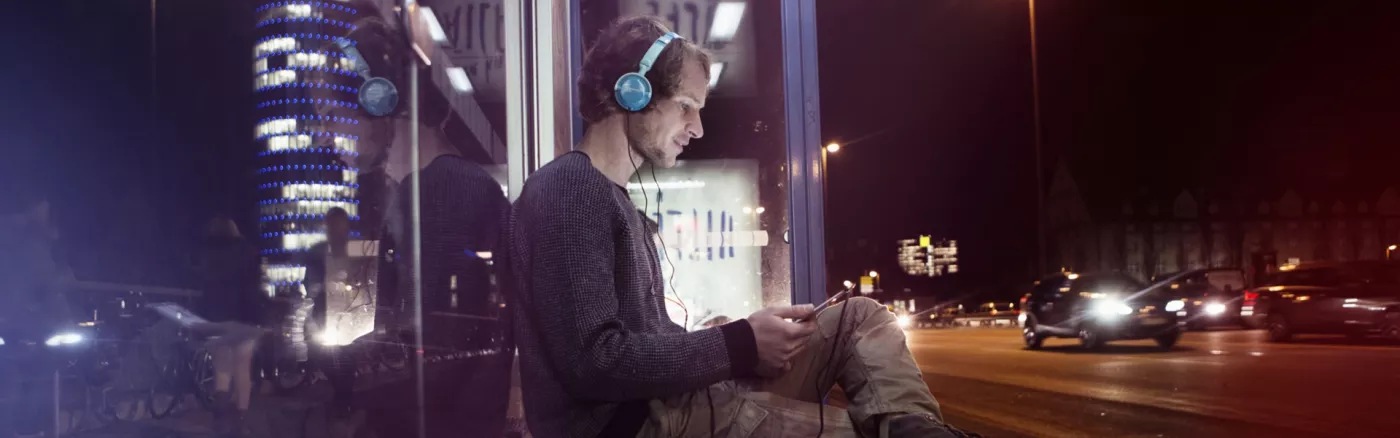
633 91
378 96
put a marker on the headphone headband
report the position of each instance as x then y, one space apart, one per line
655 51
378 96
633 91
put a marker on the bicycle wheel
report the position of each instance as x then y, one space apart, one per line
107 406
202 371
168 389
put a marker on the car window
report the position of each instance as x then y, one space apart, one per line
1107 284
1047 288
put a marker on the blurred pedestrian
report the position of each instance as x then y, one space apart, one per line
228 266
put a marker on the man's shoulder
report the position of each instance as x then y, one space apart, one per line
570 178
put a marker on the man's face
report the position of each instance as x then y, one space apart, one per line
337 229
660 135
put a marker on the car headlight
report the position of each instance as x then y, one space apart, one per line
65 338
1175 305
1215 309
902 320
1111 307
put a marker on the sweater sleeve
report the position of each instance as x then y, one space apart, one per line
573 239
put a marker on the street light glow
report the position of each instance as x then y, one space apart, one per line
1393 247
874 274
833 147
847 283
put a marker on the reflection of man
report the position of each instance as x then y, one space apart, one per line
459 219
598 355
327 265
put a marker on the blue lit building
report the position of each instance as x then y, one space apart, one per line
305 159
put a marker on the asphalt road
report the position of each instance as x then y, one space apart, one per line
1216 383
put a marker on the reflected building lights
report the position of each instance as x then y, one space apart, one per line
298 71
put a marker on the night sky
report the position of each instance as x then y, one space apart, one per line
936 94
1136 96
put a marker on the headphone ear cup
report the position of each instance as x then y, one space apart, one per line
379 97
632 92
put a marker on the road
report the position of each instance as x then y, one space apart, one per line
1215 383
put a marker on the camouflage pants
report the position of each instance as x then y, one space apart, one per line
869 360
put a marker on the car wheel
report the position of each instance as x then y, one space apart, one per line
1279 328
1168 340
1090 338
1391 331
1033 339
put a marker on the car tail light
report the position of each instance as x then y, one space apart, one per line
1249 297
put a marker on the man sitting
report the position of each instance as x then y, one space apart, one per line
598 354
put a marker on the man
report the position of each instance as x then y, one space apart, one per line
328 263
598 355
461 209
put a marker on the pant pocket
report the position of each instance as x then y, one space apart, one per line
745 419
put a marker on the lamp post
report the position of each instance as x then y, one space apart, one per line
829 149
1389 250
876 277
1039 165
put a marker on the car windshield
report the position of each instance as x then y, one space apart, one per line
1108 284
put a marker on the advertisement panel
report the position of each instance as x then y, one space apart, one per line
710 236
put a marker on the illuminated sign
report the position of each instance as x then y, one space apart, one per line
711 233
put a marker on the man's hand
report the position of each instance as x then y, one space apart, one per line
778 339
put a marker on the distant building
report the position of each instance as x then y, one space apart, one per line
306 160
1153 232
925 257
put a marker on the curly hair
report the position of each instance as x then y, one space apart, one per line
618 50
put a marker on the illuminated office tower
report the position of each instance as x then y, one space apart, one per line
305 159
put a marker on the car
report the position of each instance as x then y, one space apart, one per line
1356 299
1097 308
1212 296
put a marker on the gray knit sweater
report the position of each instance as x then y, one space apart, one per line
590 318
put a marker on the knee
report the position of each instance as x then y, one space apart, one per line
866 306
870 310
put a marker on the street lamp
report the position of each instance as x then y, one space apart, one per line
875 276
848 284
1389 250
833 147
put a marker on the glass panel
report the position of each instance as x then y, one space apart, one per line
248 161
723 209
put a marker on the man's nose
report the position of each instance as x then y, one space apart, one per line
695 127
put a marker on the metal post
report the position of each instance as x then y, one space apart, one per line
1039 164
416 213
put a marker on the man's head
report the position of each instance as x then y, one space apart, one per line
386 52
680 84
337 227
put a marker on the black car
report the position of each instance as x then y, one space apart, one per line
1211 297
1351 298
1097 308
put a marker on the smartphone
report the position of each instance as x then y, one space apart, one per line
835 299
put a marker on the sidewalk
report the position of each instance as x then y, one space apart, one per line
381 399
